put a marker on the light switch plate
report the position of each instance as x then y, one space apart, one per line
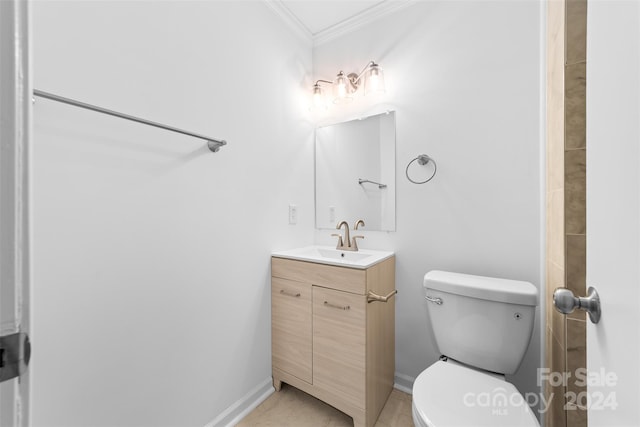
293 214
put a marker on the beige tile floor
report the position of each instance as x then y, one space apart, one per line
291 407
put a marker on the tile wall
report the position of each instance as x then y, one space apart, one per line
566 208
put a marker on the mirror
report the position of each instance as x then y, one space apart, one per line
356 173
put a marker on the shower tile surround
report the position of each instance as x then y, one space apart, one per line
566 206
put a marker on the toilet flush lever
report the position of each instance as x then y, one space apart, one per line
432 299
565 302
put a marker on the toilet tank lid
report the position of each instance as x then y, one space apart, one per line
487 288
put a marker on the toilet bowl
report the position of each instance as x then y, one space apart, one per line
482 327
451 394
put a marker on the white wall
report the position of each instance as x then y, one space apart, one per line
151 287
464 80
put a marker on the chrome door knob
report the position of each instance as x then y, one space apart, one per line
565 302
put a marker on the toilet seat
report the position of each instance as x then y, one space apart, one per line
449 394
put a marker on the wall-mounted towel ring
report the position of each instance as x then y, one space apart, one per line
422 159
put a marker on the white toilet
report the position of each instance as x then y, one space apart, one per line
482 327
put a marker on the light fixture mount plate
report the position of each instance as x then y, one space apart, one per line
354 79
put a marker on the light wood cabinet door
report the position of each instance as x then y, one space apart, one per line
339 344
291 329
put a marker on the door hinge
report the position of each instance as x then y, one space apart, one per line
15 353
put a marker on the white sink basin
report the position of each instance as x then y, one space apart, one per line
364 258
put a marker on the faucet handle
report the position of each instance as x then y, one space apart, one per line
354 244
340 243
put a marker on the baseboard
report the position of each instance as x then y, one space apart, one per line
403 383
234 413
237 411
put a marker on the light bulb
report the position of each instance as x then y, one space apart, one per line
374 82
341 89
317 98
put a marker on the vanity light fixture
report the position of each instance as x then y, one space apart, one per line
344 86
374 83
317 95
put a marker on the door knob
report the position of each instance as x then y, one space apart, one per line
565 302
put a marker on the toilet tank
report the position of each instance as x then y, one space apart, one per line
481 321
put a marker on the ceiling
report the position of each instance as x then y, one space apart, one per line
319 15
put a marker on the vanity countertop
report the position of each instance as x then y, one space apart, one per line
362 259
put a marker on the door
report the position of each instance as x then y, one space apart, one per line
15 107
339 344
613 210
291 327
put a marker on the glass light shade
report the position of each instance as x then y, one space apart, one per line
374 80
317 98
341 89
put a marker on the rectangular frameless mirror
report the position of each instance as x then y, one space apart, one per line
356 173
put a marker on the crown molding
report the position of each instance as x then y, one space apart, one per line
366 17
341 28
277 7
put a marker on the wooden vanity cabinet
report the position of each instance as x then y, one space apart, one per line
291 340
328 340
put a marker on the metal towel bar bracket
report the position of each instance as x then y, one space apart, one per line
212 143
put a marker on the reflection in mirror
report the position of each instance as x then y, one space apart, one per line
355 173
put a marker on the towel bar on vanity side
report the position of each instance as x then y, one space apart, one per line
371 296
